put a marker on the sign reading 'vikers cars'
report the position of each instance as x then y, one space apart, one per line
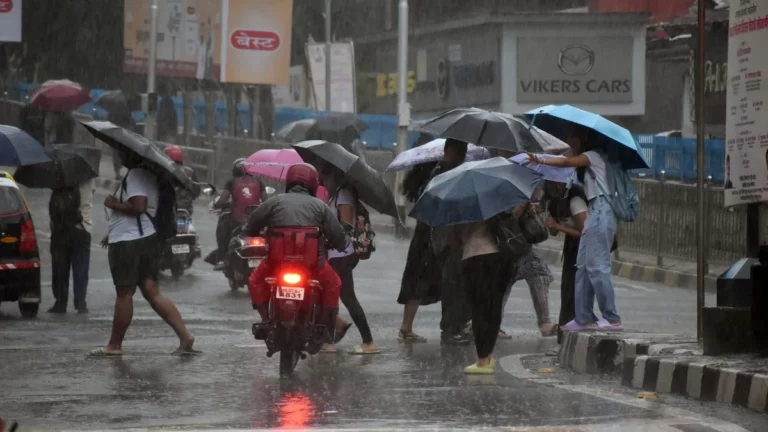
574 70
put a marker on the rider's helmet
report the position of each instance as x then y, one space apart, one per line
237 168
304 175
175 154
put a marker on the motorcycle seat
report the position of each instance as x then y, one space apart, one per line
294 243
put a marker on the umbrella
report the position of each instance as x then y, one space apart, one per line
272 163
18 148
617 141
123 139
60 95
432 152
113 100
295 131
369 185
474 192
418 126
71 165
548 172
486 129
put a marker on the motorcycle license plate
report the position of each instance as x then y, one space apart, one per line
290 293
253 263
180 249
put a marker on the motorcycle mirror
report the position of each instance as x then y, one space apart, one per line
270 190
208 189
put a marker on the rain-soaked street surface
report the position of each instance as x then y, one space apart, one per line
47 384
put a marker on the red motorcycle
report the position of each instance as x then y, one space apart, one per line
294 328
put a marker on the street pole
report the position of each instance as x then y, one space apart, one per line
150 128
403 108
700 225
328 55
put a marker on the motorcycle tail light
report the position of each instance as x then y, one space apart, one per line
256 241
28 242
292 278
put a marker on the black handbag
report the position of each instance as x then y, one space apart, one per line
510 238
533 228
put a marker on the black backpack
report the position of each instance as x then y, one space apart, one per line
510 237
164 220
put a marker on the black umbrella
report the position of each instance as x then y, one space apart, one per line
335 127
113 100
486 129
70 166
370 187
475 192
295 131
418 126
123 139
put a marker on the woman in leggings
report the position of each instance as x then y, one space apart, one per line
343 203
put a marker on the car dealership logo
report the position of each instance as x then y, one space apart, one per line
255 40
6 6
576 60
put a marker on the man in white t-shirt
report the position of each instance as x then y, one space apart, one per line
132 250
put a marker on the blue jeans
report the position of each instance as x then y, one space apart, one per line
593 264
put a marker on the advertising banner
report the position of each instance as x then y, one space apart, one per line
293 94
10 20
243 41
343 79
746 160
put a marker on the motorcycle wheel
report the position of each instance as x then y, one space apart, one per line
288 361
177 269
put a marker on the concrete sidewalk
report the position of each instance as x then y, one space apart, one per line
669 364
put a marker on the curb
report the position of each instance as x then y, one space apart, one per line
700 381
639 272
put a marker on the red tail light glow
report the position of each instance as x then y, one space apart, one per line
28 238
256 241
291 278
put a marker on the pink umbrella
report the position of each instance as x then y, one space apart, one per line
272 163
60 95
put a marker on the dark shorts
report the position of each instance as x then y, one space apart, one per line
134 261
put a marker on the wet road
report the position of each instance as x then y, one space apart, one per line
48 384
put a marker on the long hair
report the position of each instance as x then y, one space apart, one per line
416 180
560 208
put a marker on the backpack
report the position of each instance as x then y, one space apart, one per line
363 236
532 227
64 208
509 237
164 220
623 198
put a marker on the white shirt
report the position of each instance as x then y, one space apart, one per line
577 206
122 227
86 204
343 197
595 173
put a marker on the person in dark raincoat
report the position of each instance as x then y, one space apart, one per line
167 123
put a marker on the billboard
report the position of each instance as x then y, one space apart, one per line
343 78
242 41
10 20
746 127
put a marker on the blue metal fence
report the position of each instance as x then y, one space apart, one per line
677 157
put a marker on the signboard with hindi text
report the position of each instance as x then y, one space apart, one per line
746 160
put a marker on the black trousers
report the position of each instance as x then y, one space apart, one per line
487 277
224 228
70 249
568 285
456 310
344 267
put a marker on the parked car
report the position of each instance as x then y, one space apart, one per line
19 254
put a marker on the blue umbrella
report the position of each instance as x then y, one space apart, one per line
475 192
17 148
548 172
615 140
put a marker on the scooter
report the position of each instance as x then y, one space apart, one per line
179 252
295 327
244 255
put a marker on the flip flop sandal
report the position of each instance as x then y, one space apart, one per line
101 352
186 352
575 327
358 350
326 350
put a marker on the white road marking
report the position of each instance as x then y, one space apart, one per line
514 366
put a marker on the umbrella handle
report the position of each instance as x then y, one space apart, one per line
533 121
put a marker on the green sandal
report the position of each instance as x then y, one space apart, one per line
474 369
358 350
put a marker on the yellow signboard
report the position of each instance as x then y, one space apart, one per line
386 83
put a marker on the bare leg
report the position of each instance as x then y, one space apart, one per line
409 314
121 319
168 312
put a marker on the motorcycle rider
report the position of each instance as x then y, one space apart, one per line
241 191
299 207
184 198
